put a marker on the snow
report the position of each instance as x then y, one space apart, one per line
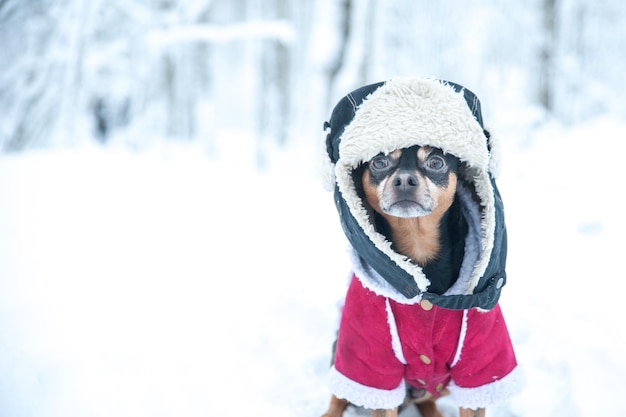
164 282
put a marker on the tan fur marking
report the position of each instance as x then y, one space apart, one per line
395 155
385 413
423 152
465 412
336 407
429 409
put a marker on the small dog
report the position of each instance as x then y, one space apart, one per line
410 196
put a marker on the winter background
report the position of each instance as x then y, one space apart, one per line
166 248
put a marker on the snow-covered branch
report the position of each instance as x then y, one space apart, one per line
280 30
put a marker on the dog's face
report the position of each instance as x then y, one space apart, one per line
411 182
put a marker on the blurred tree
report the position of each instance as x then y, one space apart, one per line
135 72
274 81
338 58
547 54
34 56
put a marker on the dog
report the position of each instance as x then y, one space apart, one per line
410 196
413 172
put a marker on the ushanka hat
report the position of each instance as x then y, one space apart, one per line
400 113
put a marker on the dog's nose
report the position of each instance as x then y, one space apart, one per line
405 181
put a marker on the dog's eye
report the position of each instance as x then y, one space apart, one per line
379 162
436 163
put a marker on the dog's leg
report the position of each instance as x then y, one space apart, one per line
466 412
428 408
336 407
385 413
425 402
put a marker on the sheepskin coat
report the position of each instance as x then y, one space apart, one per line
394 331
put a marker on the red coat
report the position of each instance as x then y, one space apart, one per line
383 343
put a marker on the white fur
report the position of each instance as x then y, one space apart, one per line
495 155
374 282
395 336
364 396
471 211
459 347
489 394
413 111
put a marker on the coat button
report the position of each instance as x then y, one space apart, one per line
425 359
426 305
439 387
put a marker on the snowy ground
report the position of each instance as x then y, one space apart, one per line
163 283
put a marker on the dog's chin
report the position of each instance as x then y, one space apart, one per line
407 209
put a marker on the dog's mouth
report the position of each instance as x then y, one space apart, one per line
408 208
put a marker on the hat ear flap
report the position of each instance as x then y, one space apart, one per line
495 154
492 144
327 166
341 116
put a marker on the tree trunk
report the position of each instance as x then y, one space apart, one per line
547 55
345 30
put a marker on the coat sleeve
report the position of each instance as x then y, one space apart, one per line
486 372
366 371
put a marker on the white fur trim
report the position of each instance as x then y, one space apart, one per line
489 394
495 155
414 111
374 282
326 167
467 279
362 395
395 337
406 112
459 347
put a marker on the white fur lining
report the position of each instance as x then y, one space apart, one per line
414 111
495 155
362 395
395 336
459 347
489 394
326 168
374 282
464 284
